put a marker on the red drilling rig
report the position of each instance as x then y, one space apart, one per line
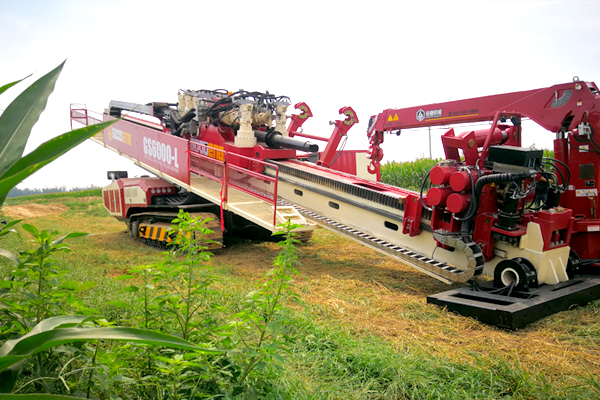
232 156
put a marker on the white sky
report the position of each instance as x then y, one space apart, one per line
367 54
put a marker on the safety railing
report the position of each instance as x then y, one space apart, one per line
80 114
215 164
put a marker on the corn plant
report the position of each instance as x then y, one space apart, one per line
16 123
60 330
36 270
408 175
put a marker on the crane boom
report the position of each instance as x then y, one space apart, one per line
555 108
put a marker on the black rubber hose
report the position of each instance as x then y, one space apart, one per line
421 192
566 184
188 116
465 228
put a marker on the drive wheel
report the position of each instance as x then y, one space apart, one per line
518 272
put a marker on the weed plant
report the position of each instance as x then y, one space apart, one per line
176 296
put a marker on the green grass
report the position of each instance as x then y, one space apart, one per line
52 196
332 362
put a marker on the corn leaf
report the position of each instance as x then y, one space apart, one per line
44 154
9 85
32 344
45 325
56 331
20 116
9 376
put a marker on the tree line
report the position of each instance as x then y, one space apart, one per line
16 192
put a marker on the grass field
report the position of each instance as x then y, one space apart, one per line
366 331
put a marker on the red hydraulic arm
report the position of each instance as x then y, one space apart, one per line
340 130
299 119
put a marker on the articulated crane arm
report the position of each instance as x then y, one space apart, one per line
559 108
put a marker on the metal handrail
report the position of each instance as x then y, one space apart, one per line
226 178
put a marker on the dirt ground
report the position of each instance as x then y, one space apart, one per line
374 295
33 210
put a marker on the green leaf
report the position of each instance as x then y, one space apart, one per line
44 154
122 378
69 285
32 344
31 229
131 288
9 85
87 285
10 224
4 232
45 325
9 376
20 116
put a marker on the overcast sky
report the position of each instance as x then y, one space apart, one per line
369 55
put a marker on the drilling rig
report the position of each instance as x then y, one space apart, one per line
234 157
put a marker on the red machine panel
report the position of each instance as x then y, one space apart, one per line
166 153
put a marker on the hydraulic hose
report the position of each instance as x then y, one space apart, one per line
465 228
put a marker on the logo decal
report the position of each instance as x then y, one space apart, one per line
421 115
119 136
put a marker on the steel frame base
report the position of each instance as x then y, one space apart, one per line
521 308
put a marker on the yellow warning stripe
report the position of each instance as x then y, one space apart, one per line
158 233
153 232
456 116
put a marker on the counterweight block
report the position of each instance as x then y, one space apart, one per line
521 308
